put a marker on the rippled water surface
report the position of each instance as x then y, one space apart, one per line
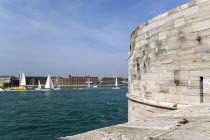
45 115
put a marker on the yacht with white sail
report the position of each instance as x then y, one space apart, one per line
49 84
58 84
39 86
116 84
22 84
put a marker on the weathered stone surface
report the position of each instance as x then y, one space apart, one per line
192 123
173 59
201 25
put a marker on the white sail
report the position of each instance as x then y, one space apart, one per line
49 84
39 85
116 82
22 80
88 82
57 83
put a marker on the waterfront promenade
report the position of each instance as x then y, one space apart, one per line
192 123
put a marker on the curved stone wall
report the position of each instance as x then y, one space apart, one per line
169 61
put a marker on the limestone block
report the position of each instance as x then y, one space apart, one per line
183 7
183 75
171 40
201 25
189 43
187 28
195 73
203 33
151 82
153 76
169 18
206 41
173 46
175 32
178 22
154 88
172 90
192 100
195 66
190 83
158 97
142 42
164 89
175 98
170 83
203 49
193 91
166 59
183 51
162 36
206 57
166 27
192 3
170 52
206 85
181 90
201 1
167 76
188 58
153 45
191 36
172 67
206 99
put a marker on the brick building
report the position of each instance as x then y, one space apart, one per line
79 80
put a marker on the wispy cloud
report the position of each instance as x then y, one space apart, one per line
71 36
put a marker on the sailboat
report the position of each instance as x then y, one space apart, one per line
57 84
88 82
22 82
116 84
39 86
49 84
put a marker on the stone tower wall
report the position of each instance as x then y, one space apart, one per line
169 61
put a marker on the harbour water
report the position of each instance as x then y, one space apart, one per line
37 115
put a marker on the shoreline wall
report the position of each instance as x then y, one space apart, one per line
169 61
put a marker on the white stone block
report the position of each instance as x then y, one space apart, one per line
194 100
201 25
201 1
183 7
162 36
179 22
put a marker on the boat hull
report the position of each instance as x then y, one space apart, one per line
115 88
38 89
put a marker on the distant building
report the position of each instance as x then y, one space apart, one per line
111 80
79 80
6 80
33 80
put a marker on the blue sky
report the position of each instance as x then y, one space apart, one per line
77 37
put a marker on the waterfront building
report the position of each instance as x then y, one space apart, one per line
111 80
6 80
79 80
33 80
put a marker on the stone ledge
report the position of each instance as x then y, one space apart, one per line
190 123
167 105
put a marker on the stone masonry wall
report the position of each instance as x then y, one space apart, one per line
169 61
